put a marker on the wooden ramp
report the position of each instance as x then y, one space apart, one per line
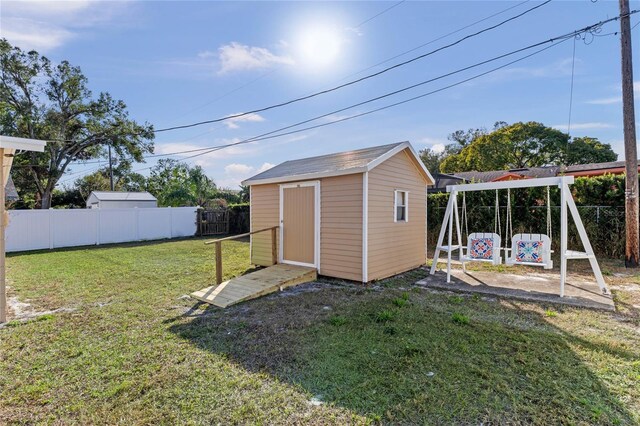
256 284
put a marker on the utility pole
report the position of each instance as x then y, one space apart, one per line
110 169
632 252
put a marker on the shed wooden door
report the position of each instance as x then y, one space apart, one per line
299 224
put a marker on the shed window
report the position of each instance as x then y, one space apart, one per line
401 206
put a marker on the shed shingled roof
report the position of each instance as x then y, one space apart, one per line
328 165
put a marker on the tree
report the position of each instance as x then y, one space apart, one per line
432 159
40 100
177 184
523 145
589 150
244 194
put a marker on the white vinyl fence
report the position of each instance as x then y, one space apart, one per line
53 228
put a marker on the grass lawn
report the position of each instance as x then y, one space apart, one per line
129 348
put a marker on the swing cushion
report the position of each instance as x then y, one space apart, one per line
530 251
481 248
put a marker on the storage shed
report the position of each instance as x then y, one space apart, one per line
120 200
358 215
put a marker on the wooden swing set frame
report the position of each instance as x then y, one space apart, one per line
567 205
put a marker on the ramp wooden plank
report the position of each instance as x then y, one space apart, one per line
256 284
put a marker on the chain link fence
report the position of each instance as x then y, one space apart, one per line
605 225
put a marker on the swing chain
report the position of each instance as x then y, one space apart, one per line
509 224
464 213
549 229
496 225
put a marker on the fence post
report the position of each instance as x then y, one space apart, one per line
218 262
98 226
274 254
136 218
170 222
51 234
199 221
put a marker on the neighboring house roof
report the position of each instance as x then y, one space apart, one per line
512 174
596 169
592 169
342 163
442 180
11 193
122 196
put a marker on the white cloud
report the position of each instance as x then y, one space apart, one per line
239 57
46 25
206 158
332 118
34 35
583 126
237 169
235 173
232 123
606 101
614 99
438 148
435 144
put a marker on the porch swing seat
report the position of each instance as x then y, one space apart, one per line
530 250
483 247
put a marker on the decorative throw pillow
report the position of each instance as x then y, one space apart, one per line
481 248
529 251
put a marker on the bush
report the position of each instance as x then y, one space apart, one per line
459 318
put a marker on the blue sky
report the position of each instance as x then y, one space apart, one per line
180 62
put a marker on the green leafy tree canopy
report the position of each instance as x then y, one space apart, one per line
521 145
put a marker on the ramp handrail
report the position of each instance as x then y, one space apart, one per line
218 248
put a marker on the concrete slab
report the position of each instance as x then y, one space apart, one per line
533 287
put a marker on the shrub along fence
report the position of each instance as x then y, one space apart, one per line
604 225
239 218
600 203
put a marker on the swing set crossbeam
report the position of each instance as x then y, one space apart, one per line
451 223
512 184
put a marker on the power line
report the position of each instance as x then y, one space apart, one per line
457 71
242 86
332 89
269 135
380 13
436 39
272 135
260 138
352 82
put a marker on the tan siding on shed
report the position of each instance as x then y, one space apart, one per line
395 247
265 213
341 227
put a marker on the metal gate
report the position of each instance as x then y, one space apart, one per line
213 222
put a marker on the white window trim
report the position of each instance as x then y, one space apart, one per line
395 206
316 185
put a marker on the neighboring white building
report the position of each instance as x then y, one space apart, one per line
120 200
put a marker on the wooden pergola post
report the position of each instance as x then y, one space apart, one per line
8 146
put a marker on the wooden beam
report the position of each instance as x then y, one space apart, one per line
3 288
218 262
234 237
274 246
